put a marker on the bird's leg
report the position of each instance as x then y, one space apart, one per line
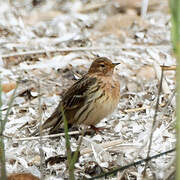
94 130
97 129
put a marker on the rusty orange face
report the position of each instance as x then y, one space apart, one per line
102 66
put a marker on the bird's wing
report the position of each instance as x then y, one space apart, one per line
74 98
77 94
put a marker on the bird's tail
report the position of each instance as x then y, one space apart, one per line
52 122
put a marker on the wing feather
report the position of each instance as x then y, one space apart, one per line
72 100
78 93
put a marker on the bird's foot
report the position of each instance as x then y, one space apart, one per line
94 130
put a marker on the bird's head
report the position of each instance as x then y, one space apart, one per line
102 66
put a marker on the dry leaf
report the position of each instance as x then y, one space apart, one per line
23 176
6 87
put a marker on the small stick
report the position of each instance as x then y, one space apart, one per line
168 68
154 120
137 109
132 46
43 137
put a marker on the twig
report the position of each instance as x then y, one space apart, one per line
132 46
168 68
137 109
43 137
154 119
40 130
169 102
158 69
132 164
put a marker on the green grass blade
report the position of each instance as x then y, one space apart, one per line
175 35
2 152
68 146
9 108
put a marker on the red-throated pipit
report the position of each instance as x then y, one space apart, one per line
89 100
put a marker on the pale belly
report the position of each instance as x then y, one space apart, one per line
100 111
100 107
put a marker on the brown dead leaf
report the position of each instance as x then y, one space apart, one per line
6 87
12 60
22 176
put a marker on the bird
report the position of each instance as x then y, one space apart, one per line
88 100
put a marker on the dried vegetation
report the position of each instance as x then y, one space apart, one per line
52 43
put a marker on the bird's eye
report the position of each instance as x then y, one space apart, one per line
102 65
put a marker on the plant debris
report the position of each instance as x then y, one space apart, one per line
52 43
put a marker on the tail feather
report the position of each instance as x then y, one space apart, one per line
56 126
51 122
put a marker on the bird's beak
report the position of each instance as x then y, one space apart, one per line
115 64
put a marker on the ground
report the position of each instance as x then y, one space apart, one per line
47 45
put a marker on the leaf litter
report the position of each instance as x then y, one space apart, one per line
142 46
